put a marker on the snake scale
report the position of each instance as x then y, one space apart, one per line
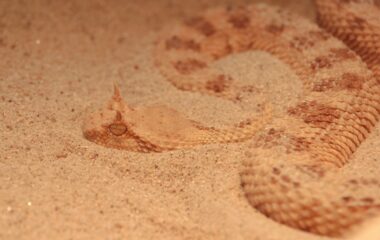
293 172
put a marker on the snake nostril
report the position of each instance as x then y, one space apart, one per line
117 129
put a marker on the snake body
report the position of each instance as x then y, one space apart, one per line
293 174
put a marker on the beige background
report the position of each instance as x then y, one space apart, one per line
58 61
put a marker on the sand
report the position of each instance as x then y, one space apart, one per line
58 62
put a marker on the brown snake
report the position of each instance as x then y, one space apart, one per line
293 173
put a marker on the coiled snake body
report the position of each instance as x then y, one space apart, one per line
293 173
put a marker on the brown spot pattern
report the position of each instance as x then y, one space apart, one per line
219 84
308 40
351 81
334 55
348 81
315 170
177 43
343 53
217 46
278 137
301 43
368 200
347 199
188 66
314 113
321 62
275 29
324 85
244 123
358 23
282 179
349 1
319 35
269 139
239 20
201 25
276 171
299 144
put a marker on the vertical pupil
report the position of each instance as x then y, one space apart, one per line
118 129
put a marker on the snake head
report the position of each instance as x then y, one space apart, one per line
109 126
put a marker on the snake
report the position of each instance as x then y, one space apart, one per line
294 172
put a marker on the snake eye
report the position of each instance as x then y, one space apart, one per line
117 129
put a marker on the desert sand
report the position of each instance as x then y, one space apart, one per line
58 62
